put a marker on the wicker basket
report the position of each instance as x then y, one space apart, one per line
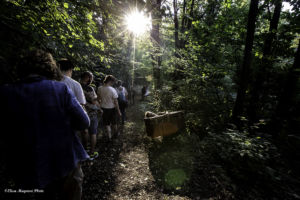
164 124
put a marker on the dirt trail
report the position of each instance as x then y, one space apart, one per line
122 169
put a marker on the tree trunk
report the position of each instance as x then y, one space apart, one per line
156 42
177 74
244 71
211 11
176 25
265 65
183 17
186 22
189 24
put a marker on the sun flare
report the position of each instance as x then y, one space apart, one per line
137 22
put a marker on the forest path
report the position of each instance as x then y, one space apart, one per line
122 169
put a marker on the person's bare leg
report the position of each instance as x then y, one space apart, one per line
121 128
93 138
108 130
115 128
72 187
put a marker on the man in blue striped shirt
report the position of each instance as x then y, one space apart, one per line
40 116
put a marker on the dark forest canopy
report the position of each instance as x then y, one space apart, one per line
230 64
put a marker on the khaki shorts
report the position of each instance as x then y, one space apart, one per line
67 188
72 187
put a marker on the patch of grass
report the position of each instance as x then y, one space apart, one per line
129 125
171 161
175 178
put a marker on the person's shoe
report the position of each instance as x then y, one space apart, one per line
94 155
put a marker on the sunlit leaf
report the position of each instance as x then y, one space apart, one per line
66 5
89 16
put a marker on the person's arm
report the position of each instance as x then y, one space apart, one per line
115 100
126 93
117 106
99 99
94 98
79 94
79 118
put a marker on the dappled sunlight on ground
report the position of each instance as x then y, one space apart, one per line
171 162
122 170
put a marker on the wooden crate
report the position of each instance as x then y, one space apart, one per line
164 124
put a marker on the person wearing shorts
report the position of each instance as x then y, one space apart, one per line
109 116
122 100
108 99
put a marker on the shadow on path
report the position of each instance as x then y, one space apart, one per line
122 169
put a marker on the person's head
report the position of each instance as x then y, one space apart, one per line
41 63
109 79
66 66
87 77
119 83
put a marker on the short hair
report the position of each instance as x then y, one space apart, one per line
109 78
86 74
41 63
119 83
65 64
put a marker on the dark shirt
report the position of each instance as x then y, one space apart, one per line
39 121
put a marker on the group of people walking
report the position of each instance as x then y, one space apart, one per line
45 111
109 100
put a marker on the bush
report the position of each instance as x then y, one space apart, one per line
246 158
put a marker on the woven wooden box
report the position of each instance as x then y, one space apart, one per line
164 124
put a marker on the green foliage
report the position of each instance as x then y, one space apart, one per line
247 158
206 64
63 28
66 29
200 74
200 78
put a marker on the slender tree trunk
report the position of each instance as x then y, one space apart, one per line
156 42
189 24
244 71
176 25
183 17
185 22
177 74
211 10
265 65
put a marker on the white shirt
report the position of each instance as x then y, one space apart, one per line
107 95
123 90
76 88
